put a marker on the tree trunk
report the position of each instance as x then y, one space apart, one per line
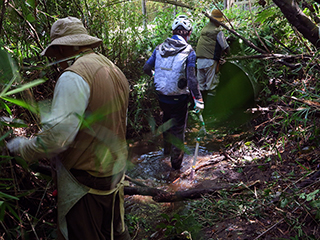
298 19
144 13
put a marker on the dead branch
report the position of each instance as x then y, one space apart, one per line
271 56
309 181
145 191
269 229
256 32
262 110
163 196
229 157
308 102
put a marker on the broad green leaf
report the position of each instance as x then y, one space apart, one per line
5 66
2 210
24 87
8 71
7 196
6 107
30 18
166 216
14 124
265 14
13 212
31 3
5 179
5 135
21 103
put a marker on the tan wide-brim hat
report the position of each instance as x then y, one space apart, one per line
69 31
217 14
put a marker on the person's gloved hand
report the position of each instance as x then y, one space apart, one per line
14 144
198 105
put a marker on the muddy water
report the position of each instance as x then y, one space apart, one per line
154 169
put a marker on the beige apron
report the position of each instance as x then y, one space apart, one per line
70 191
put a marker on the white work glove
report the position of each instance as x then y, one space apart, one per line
198 105
14 144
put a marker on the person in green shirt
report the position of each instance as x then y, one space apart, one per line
211 45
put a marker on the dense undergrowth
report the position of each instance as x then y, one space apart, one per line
285 117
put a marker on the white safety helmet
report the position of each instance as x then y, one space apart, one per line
183 21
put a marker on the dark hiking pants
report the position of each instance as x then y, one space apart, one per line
174 136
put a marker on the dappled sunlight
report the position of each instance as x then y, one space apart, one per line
140 199
20 131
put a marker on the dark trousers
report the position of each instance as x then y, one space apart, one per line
177 115
90 217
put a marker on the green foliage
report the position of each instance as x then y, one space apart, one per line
12 87
178 224
145 107
134 223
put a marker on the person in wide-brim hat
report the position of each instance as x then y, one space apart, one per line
89 162
69 31
211 46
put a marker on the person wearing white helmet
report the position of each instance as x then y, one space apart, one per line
174 63
210 46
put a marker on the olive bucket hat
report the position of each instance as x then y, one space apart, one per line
69 31
217 14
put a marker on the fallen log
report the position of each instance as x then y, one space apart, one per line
163 196
195 193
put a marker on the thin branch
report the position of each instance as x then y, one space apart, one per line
255 30
216 5
269 229
278 41
308 102
32 226
300 38
270 56
35 34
